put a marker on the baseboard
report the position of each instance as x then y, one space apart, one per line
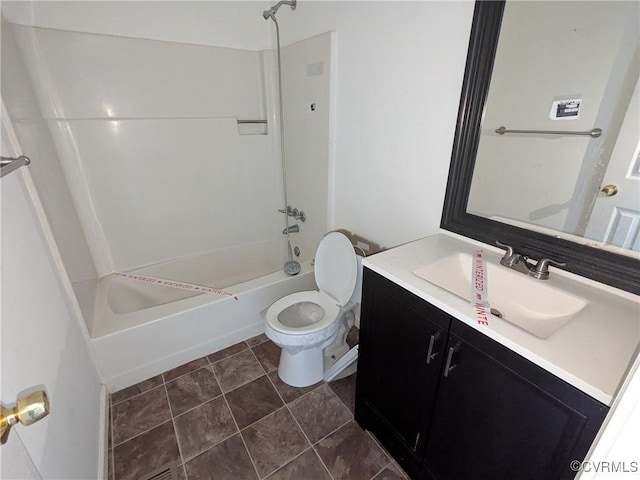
103 432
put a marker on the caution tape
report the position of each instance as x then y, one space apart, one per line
175 284
479 288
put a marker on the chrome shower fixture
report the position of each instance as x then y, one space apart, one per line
291 229
272 11
291 267
294 212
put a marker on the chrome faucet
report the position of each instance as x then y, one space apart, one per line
514 260
521 263
541 270
292 229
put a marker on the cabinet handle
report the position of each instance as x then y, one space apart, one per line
448 367
432 342
415 445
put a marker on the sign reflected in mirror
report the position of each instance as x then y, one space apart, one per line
546 154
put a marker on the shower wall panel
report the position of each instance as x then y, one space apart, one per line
308 79
35 139
147 137
106 76
168 188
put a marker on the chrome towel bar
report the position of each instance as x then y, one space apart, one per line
9 164
250 121
594 133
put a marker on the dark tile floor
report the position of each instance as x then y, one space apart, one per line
229 416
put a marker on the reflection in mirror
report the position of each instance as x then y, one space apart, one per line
550 56
559 66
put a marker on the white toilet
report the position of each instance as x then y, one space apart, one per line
311 327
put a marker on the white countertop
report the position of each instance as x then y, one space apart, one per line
591 352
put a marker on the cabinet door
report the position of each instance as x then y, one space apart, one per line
402 341
499 416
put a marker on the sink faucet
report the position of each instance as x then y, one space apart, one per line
514 260
521 264
517 262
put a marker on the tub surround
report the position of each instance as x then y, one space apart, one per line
102 135
591 351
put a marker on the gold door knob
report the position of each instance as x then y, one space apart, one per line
609 190
28 409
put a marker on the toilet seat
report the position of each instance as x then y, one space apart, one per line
336 270
330 312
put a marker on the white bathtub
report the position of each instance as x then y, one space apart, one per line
140 330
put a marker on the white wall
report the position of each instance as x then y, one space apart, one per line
42 338
399 73
398 79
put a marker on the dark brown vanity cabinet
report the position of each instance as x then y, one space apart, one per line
450 403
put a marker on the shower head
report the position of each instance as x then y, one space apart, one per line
272 11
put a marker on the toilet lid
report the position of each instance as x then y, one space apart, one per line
336 267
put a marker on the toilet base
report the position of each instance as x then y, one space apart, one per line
303 368
309 365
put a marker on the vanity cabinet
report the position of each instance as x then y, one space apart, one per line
450 403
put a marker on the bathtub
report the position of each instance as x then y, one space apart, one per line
139 330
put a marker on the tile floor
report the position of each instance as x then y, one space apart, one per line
228 416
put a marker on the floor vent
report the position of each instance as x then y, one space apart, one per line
168 471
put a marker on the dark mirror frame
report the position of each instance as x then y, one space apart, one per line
603 266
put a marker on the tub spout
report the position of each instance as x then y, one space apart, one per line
292 229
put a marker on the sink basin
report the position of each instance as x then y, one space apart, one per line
530 304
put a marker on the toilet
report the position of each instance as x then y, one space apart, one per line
311 327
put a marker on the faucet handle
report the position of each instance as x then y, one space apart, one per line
510 251
541 270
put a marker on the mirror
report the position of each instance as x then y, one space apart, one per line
583 55
549 67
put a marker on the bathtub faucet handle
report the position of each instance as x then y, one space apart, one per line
294 212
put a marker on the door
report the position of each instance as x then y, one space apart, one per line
499 416
41 342
15 461
401 348
615 219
